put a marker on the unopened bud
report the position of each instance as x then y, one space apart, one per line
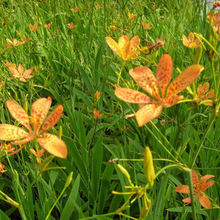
125 173
148 165
60 131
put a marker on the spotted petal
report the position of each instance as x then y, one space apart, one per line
52 118
186 78
11 132
195 178
134 42
24 141
39 111
164 72
132 96
18 113
53 145
203 89
204 201
182 189
204 184
146 79
114 46
147 113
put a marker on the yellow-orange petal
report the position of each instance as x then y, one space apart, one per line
52 118
24 141
18 113
209 95
27 73
173 100
11 132
134 42
186 78
114 46
145 79
39 111
182 189
204 201
147 113
124 44
53 145
203 89
164 72
132 96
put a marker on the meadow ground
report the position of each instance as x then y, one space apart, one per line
73 75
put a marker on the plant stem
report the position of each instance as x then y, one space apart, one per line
203 138
189 172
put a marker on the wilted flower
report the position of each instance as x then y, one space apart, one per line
20 73
156 87
6 147
199 186
39 110
191 42
71 25
40 152
125 48
203 94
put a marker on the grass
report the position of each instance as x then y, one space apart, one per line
70 65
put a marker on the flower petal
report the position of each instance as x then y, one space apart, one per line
147 113
204 184
39 111
14 72
203 89
27 73
18 113
114 46
186 78
53 145
173 100
11 132
134 42
132 96
209 95
20 69
52 118
204 201
182 189
195 178
24 141
146 80
164 72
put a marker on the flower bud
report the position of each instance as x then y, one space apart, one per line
148 165
125 173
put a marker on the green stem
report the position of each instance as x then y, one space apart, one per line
213 74
168 144
191 194
166 167
119 74
203 138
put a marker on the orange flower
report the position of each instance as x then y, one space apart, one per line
48 25
13 42
2 168
20 73
112 27
97 95
7 147
215 19
199 186
191 42
156 88
33 27
24 40
41 153
125 48
203 94
71 25
39 111
8 64
96 113
131 16
98 6
146 26
74 9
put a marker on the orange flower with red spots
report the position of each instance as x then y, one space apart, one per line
199 186
39 111
157 87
